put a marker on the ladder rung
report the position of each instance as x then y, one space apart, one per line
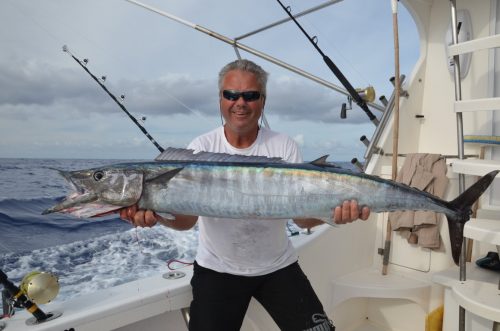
475 167
477 104
474 45
484 230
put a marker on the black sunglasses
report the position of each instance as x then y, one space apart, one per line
234 95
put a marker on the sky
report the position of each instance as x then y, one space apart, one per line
51 108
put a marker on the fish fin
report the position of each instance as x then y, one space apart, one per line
456 238
163 176
463 207
181 154
321 162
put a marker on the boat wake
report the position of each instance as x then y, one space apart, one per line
86 254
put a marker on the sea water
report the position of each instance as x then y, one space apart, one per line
85 254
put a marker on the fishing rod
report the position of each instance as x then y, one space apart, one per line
248 49
336 71
83 64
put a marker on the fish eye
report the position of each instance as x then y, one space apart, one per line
98 175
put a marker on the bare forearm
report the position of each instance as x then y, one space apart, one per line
180 223
348 212
148 218
307 223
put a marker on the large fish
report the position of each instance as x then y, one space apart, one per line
233 186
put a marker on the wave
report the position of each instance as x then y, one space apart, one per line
85 254
24 228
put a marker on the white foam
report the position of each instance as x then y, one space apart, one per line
97 263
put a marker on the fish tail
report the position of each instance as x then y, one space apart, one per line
462 207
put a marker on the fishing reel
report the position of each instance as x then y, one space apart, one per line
40 287
36 288
367 94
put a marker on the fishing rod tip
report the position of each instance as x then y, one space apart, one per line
65 48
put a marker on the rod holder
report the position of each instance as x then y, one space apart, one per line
343 111
357 164
365 140
393 81
383 100
402 92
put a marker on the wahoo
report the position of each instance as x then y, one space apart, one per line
234 186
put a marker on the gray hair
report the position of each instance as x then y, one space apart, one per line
245 65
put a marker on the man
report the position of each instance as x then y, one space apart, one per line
238 260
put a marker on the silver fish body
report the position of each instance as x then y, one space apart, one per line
276 191
239 187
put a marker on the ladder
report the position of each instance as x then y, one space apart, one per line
475 294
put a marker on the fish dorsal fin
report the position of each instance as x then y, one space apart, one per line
321 162
162 177
181 154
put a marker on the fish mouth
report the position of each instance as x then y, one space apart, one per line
79 197
69 203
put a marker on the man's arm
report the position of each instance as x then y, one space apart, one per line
148 218
347 213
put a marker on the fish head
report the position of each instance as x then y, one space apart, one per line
99 191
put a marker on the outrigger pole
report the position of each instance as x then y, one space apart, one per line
336 71
83 65
255 52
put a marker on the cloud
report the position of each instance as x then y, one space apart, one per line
168 73
33 82
32 85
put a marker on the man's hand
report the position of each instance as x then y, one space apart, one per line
139 217
148 218
349 212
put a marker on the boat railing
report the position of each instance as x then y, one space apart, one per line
372 144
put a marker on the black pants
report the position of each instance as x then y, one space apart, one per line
220 300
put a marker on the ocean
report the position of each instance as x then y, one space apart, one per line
85 254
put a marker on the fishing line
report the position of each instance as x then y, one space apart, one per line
169 262
197 113
336 71
83 64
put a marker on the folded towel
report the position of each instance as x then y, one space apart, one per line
425 172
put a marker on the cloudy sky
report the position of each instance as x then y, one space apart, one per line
51 108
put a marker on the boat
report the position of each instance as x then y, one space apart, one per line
422 287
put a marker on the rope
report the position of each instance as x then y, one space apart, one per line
169 262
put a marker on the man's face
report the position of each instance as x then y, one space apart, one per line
241 116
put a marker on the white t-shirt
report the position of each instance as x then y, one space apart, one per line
238 246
